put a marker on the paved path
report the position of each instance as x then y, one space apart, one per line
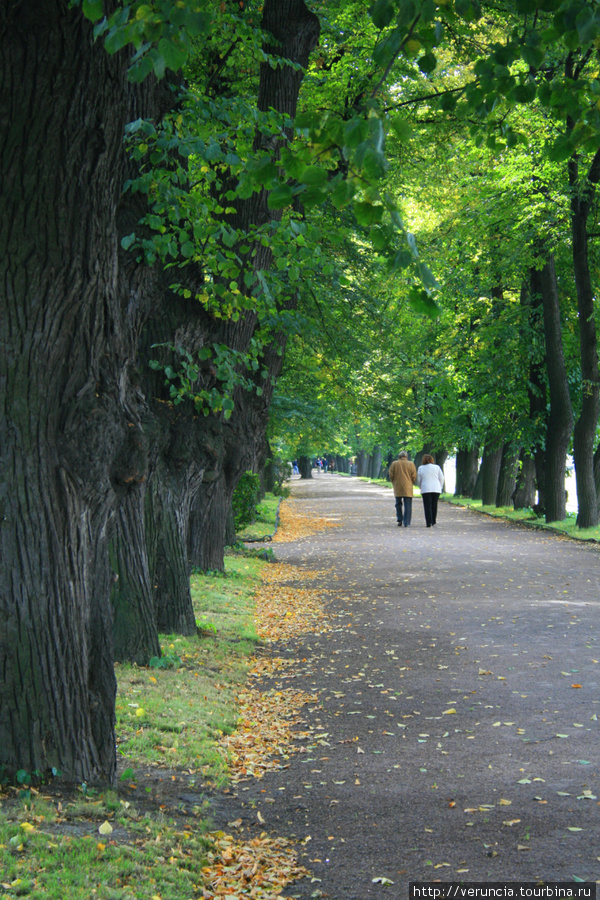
458 702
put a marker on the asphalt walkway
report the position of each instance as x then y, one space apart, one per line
457 723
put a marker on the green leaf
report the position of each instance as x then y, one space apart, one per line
127 241
173 53
313 175
427 63
93 9
422 303
382 13
401 128
367 213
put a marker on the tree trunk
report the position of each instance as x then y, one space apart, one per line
134 622
490 470
584 435
376 464
523 496
507 477
560 420
478 486
171 494
64 391
467 465
531 297
305 466
208 525
361 464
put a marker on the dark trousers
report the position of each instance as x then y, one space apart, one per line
405 516
430 505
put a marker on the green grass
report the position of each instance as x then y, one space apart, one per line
173 716
265 522
168 721
567 526
66 855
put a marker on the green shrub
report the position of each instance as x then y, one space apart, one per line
245 500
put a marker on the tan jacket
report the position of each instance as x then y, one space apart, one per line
403 475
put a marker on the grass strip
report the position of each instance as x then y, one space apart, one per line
266 520
131 843
567 526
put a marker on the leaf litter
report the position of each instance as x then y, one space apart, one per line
267 733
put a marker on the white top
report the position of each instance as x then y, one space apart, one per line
430 479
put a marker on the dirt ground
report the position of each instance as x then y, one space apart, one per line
455 735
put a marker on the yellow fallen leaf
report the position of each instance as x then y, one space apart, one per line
140 711
511 822
504 802
100 846
27 826
105 828
449 712
522 847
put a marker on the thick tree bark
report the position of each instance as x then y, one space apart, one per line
560 420
376 461
583 191
361 463
305 466
523 496
584 434
64 391
478 486
467 466
507 477
490 470
532 301
134 621
295 30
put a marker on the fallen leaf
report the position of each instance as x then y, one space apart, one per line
105 828
381 880
449 712
504 802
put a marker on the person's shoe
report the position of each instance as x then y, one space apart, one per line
399 524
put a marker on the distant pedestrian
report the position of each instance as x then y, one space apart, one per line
403 475
430 479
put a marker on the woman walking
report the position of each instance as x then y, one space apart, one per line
430 479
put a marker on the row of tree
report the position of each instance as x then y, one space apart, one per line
170 222
498 176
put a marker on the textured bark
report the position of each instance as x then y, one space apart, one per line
295 30
584 434
467 466
305 467
507 477
361 463
531 297
134 621
478 486
560 420
523 496
207 524
490 471
376 461
63 391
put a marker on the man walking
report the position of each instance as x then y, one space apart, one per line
403 475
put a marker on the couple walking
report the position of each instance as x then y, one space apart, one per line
428 477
